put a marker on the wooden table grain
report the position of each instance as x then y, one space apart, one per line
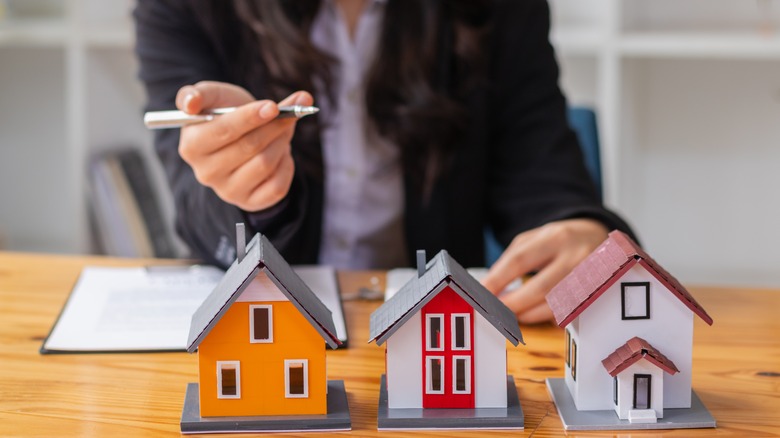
736 365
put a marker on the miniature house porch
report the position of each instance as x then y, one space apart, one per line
637 369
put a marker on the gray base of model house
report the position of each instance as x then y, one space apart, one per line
336 419
510 417
697 416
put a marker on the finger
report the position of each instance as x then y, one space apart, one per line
243 181
298 98
185 97
526 253
533 291
536 315
229 159
224 130
274 189
212 94
520 300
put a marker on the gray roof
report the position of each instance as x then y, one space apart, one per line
442 269
260 255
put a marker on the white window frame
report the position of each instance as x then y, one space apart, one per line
221 364
428 381
455 377
428 318
466 331
287 364
252 308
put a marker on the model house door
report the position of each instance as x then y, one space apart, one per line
448 352
642 391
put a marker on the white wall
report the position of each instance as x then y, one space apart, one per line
688 98
404 365
489 382
702 194
35 164
68 89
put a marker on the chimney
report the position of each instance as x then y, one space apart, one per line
420 262
240 242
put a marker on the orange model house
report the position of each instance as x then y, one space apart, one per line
261 355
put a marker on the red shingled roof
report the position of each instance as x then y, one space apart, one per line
601 269
633 350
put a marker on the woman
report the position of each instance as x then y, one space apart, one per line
439 118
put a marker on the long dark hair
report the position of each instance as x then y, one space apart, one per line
431 57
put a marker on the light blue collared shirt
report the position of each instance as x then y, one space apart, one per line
364 201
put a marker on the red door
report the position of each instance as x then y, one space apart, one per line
448 352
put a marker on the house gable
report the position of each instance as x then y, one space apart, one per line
260 256
632 351
601 269
262 289
440 272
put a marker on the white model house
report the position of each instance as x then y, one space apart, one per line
629 332
446 340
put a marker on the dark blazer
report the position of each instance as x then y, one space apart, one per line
518 166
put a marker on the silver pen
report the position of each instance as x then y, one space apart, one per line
177 119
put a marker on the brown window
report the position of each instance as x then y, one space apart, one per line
261 329
461 375
435 332
296 378
573 359
228 379
435 373
461 331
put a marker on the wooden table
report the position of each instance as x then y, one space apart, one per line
736 365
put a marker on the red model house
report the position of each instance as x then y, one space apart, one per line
446 350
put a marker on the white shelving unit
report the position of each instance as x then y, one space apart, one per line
687 93
688 98
69 89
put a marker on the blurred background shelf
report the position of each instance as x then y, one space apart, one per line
579 40
34 32
725 45
69 92
688 98
687 95
116 34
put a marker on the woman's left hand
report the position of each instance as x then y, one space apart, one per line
551 251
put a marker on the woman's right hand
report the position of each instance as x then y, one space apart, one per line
244 156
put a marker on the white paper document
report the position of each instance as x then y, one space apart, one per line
150 308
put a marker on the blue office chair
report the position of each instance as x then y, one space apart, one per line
583 121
